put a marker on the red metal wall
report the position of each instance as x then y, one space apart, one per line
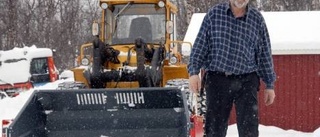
297 103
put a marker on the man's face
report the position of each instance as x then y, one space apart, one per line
240 3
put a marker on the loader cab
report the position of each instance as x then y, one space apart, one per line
124 21
133 23
122 24
154 21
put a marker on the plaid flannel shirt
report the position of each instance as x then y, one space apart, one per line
234 45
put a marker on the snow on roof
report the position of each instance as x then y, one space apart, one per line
294 32
15 63
290 32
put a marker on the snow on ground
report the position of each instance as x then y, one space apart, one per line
270 131
9 108
316 133
66 74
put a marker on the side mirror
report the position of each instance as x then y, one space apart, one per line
95 29
169 27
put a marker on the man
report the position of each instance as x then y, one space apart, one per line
233 47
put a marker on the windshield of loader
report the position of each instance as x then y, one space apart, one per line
134 21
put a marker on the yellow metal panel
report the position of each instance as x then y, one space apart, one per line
174 72
170 5
78 76
102 36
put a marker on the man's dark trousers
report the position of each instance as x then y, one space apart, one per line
223 91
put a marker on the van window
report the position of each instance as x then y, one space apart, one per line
39 66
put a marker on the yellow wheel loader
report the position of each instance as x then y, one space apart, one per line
131 81
136 46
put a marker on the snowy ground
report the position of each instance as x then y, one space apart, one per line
9 108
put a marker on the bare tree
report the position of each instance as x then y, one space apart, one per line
12 21
182 18
90 12
67 32
316 4
27 23
2 24
8 19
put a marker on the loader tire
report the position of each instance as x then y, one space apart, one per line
202 106
183 84
71 85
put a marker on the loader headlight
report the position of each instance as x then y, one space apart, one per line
85 61
161 4
104 6
173 60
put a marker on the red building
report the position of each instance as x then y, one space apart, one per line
297 104
296 54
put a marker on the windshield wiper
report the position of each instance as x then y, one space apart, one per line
125 7
116 17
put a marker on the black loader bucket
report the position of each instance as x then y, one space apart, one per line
141 112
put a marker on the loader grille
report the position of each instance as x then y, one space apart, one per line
91 98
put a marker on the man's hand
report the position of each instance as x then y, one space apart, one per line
194 83
269 96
